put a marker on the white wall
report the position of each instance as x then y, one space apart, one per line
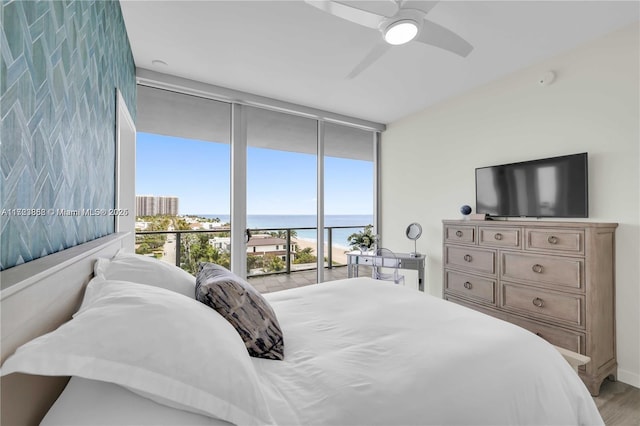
428 159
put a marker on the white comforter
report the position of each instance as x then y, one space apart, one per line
369 352
365 352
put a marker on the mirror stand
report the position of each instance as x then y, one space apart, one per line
413 232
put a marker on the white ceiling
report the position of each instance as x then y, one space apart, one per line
293 52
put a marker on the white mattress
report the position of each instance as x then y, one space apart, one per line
368 352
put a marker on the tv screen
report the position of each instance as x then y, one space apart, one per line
550 187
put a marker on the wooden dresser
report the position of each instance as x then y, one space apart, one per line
556 279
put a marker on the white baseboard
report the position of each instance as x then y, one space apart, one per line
629 377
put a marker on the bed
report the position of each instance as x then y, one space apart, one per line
356 352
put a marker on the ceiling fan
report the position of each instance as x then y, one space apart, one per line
399 22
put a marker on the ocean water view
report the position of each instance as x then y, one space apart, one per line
259 221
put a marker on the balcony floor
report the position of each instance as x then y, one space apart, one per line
277 282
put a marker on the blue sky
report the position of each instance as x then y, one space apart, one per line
278 182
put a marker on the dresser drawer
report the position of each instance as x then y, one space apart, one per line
460 234
555 271
470 286
497 237
558 307
570 340
475 306
471 259
557 240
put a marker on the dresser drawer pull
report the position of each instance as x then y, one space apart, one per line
537 268
467 258
552 239
467 285
459 234
538 302
498 236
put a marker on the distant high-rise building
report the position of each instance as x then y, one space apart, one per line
151 205
145 205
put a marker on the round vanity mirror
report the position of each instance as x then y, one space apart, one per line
414 230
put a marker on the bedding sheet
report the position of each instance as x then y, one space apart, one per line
90 402
369 352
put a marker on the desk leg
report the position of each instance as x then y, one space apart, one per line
352 270
421 279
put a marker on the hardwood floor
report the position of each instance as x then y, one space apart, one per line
619 404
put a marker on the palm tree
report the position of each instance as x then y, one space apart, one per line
305 255
283 233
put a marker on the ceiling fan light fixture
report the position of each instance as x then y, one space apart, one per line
401 32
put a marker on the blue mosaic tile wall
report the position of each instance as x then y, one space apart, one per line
60 65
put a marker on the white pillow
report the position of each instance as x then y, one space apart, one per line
169 348
145 270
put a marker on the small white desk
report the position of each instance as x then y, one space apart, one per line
406 261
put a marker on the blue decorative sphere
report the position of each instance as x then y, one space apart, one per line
465 210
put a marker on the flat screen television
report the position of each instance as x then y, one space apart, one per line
549 187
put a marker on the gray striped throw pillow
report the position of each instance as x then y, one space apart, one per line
244 307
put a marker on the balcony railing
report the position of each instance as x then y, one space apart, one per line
184 240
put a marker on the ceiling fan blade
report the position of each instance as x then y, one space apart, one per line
385 8
373 56
422 5
358 16
436 35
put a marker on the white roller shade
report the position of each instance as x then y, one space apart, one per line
192 117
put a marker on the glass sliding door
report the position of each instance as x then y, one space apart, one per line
281 196
349 191
207 171
183 178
